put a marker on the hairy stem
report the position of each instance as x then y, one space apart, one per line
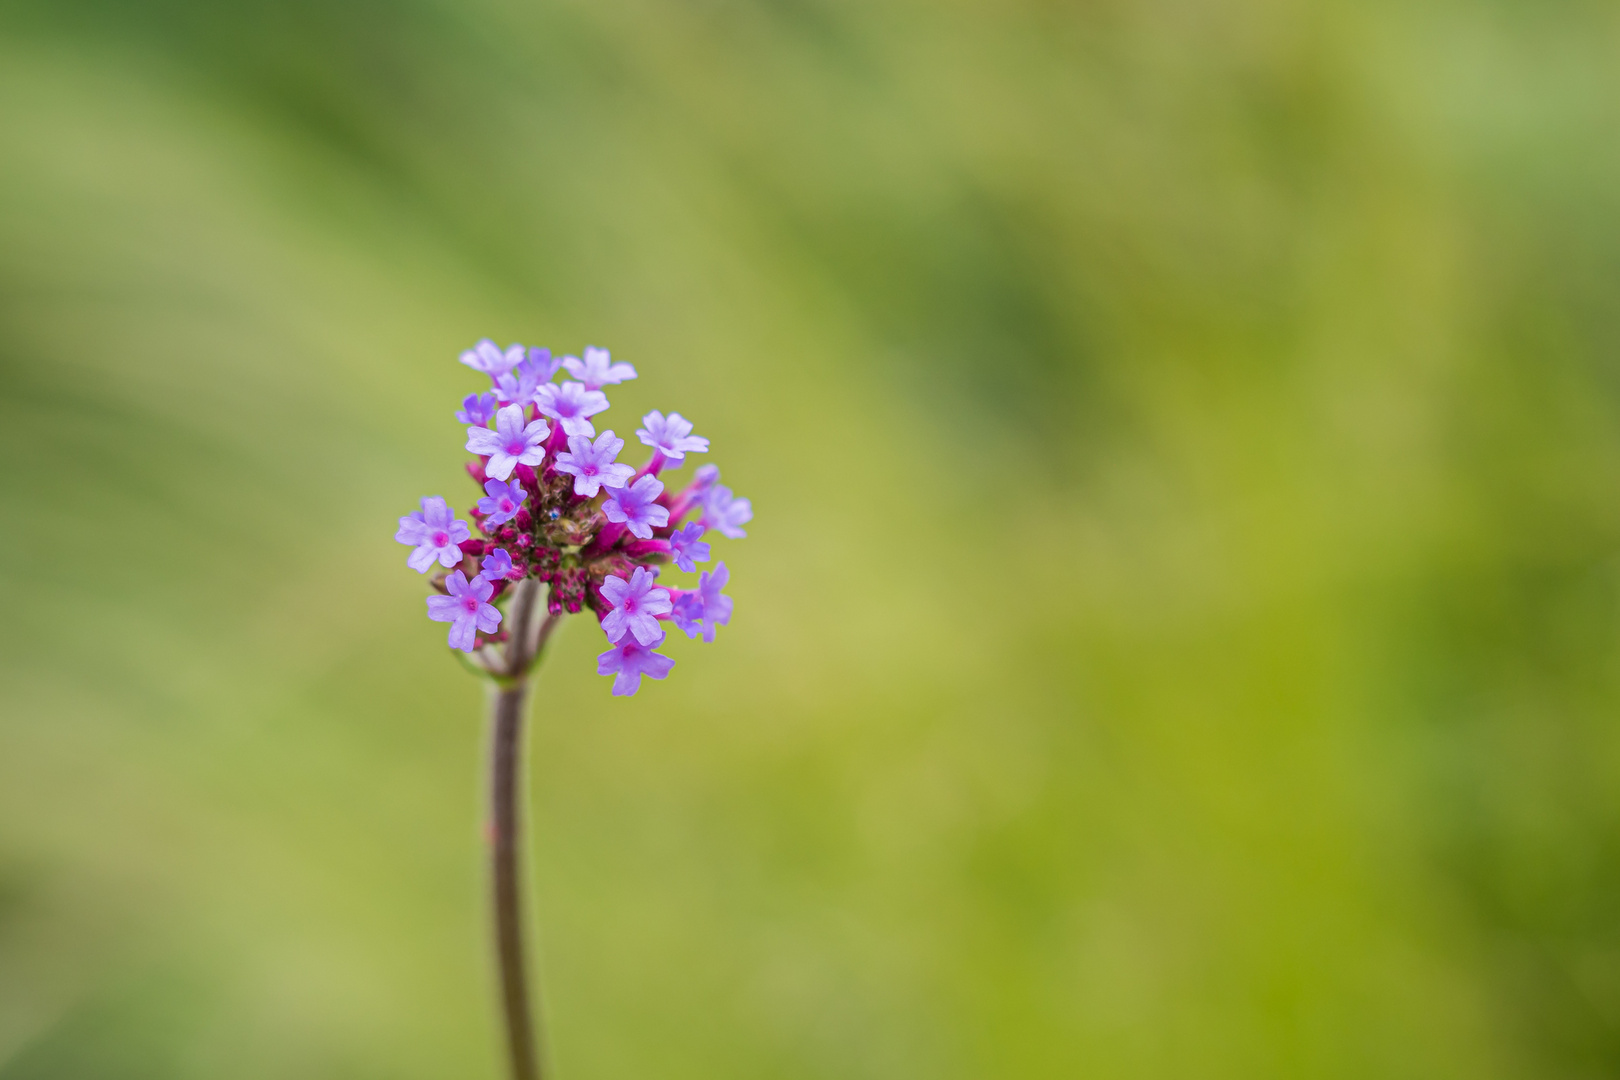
527 634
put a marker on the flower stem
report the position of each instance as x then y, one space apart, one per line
509 701
506 758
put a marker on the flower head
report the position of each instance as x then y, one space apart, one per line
476 409
571 405
636 607
705 609
511 444
487 357
435 534
597 370
635 509
629 660
465 609
593 464
563 525
501 501
671 435
687 548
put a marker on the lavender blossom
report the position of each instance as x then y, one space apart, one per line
487 357
571 405
635 509
705 609
465 609
592 464
435 534
476 409
629 660
596 370
671 436
502 502
686 547
511 444
636 607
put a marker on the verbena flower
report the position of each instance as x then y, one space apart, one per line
487 357
465 609
558 508
501 501
636 507
636 607
511 444
725 513
671 436
518 386
593 464
686 548
597 369
629 660
571 405
476 409
704 609
435 534
497 566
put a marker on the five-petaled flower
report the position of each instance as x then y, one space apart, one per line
629 660
724 512
636 607
476 409
466 609
593 464
634 507
434 532
671 435
497 566
704 609
565 526
571 405
501 502
511 444
487 357
597 369
687 547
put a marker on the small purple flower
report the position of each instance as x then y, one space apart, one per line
487 357
511 443
434 532
465 610
671 436
592 465
725 513
705 609
497 566
518 386
688 549
502 502
596 370
634 507
571 405
636 607
477 409
629 660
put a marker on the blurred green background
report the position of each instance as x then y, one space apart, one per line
1179 635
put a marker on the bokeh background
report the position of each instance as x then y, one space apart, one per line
1179 635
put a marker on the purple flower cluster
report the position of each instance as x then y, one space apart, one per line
560 507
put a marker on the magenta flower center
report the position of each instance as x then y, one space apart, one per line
441 539
516 447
